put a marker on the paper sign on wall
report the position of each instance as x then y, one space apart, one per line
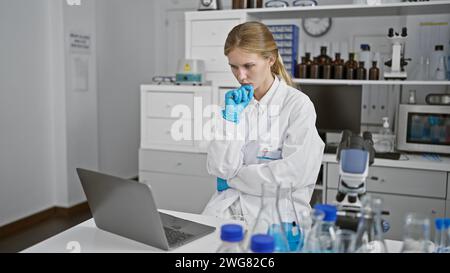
80 43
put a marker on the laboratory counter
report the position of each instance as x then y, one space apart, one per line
408 161
87 238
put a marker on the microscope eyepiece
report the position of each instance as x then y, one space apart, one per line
391 33
404 32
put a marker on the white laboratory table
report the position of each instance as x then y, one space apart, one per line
87 238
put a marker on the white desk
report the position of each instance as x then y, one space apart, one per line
90 239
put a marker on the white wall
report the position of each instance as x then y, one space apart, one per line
133 46
47 129
25 110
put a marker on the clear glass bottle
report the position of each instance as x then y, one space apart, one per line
268 220
416 234
440 73
386 138
323 234
288 214
231 236
262 243
311 223
369 235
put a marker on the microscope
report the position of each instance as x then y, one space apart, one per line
354 154
398 61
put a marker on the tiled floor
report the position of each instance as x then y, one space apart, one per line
41 231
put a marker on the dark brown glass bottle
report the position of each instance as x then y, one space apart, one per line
314 72
326 71
361 72
374 72
323 59
302 69
337 67
350 67
308 64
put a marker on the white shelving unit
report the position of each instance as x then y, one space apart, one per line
367 82
353 10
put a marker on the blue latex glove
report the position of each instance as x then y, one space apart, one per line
221 184
236 101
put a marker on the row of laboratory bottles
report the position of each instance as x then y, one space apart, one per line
324 67
279 228
435 67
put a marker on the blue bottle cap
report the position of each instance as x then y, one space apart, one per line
329 210
439 223
447 222
365 47
262 243
231 233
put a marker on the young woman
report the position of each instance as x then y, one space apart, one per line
279 142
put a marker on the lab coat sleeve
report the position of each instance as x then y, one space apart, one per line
225 155
302 152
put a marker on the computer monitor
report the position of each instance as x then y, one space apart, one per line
338 107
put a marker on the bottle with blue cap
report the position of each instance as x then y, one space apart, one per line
231 236
262 243
323 233
439 239
442 235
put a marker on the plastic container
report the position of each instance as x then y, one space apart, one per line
231 236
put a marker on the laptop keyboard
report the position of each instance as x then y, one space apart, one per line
175 237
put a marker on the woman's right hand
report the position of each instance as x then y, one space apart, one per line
236 101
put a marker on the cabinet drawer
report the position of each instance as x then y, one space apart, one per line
399 206
173 162
211 32
179 192
214 59
160 104
159 131
398 180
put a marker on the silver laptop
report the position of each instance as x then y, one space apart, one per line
127 208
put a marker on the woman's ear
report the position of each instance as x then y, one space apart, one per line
272 60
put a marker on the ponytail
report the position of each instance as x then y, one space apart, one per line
279 70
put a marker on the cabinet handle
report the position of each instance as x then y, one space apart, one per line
213 33
375 178
169 105
179 164
168 132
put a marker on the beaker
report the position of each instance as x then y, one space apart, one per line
268 220
416 234
288 216
369 235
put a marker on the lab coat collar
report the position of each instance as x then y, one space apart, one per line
270 98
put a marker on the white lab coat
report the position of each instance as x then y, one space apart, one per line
295 157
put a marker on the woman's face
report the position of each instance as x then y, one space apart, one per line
250 68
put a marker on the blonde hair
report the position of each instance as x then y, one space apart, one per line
255 37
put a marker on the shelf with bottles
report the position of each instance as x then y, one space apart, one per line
367 82
352 10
